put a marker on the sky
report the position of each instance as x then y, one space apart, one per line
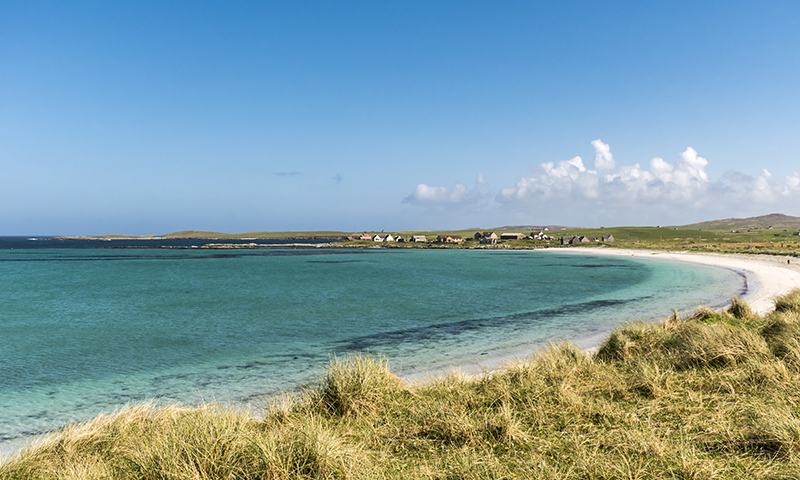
149 117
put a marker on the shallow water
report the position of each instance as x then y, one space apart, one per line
85 330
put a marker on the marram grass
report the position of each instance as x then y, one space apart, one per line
715 395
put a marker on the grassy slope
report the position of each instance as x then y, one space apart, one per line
712 396
775 241
776 220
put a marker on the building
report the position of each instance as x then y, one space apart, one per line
486 238
449 239
511 236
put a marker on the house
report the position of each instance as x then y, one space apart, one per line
574 240
419 238
365 236
541 236
449 239
383 238
608 238
486 238
511 236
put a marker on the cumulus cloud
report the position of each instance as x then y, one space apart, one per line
683 182
457 196
603 160
675 189
768 189
656 192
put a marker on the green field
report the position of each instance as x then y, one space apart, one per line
768 241
770 234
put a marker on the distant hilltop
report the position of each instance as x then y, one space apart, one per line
774 220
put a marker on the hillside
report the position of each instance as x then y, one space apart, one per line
775 220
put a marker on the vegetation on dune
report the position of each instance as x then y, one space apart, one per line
714 395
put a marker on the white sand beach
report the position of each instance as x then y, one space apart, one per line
770 276
775 275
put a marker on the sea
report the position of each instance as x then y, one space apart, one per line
88 326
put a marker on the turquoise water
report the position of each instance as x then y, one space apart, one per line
85 330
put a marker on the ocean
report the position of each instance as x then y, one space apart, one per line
87 326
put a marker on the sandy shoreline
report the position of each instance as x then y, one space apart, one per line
776 275
770 276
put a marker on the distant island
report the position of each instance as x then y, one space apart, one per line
776 234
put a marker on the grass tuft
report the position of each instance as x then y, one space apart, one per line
789 302
355 385
740 309
781 331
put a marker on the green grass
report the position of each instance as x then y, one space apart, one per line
753 241
270 235
758 241
714 395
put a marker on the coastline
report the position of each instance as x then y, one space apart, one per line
774 276
768 277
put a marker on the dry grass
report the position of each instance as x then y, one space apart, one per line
715 395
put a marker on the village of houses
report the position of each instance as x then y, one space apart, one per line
484 238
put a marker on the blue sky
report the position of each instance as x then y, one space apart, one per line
152 117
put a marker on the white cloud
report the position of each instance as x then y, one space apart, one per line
603 159
767 189
457 196
668 191
658 192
